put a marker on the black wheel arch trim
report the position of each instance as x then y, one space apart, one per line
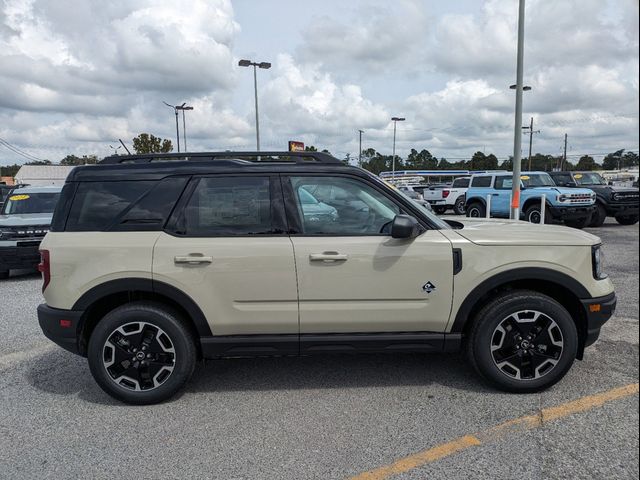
504 278
146 285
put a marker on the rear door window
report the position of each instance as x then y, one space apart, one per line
504 183
228 206
481 182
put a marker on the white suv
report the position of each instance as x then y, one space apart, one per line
154 261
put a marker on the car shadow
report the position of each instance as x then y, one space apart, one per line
62 373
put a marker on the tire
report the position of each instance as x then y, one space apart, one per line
627 219
119 368
577 223
440 210
476 210
534 212
506 349
458 207
599 216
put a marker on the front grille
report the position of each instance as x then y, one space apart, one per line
20 233
579 198
631 197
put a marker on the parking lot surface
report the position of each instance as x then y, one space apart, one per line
323 417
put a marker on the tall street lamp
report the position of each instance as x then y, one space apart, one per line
255 65
175 109
395 121
184 107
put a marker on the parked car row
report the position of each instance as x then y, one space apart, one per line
578 199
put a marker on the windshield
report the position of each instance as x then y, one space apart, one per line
24 203
589 179
537 180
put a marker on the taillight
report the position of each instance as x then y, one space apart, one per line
445 193
45 268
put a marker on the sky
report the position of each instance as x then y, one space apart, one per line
77 75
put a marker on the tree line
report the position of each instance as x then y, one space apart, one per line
376 162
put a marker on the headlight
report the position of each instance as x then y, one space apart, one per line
3 231
597 257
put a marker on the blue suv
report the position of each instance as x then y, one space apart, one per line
573 206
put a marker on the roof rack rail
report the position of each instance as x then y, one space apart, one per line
297 157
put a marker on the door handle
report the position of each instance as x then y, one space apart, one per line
328 257
192 259
495 194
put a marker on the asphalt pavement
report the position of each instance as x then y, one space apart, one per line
321 417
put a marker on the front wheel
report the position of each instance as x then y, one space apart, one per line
599 216
627 219
476 210
458 208
533 214
141 353
523 341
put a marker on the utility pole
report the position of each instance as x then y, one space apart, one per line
175 109
255 65
360 149
564 155
517 131
184 107
531 132
395 121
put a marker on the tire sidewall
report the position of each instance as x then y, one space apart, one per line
476 207
458 207
533 210
165 319
599 216
490 317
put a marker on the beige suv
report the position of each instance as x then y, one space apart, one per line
155 261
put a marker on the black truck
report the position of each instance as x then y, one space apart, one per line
612 201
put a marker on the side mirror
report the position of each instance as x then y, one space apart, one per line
405 226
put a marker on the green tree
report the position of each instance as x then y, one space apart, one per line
587 163
444 164
84 160
376 163
310 148
147 143
422 160
480 161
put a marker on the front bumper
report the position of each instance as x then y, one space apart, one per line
21 256
61 326
597 311
571 213
621 209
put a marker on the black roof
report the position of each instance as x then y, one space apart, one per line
159 165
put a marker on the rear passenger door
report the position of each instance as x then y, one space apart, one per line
501 198
226 247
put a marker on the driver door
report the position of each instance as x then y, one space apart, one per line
352 275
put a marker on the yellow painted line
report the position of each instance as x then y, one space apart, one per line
545 415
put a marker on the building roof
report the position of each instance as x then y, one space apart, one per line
43 172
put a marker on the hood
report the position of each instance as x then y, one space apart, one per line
571 191
25 220
496 231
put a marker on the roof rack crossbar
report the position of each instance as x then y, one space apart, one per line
297 157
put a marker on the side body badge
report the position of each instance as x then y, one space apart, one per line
428 287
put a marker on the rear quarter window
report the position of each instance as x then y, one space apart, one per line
123 205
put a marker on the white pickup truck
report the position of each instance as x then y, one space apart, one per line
444 197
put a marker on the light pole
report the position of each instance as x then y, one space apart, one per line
360 148
184 107
115 149
255 65
517 131
175 109
395 121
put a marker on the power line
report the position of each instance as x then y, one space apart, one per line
16 150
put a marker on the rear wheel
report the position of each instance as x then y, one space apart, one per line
141 353
458 208
440 210
476 210
627 219
523 342
599 216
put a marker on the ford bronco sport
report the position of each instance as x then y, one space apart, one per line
619 202
573 206
154 261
